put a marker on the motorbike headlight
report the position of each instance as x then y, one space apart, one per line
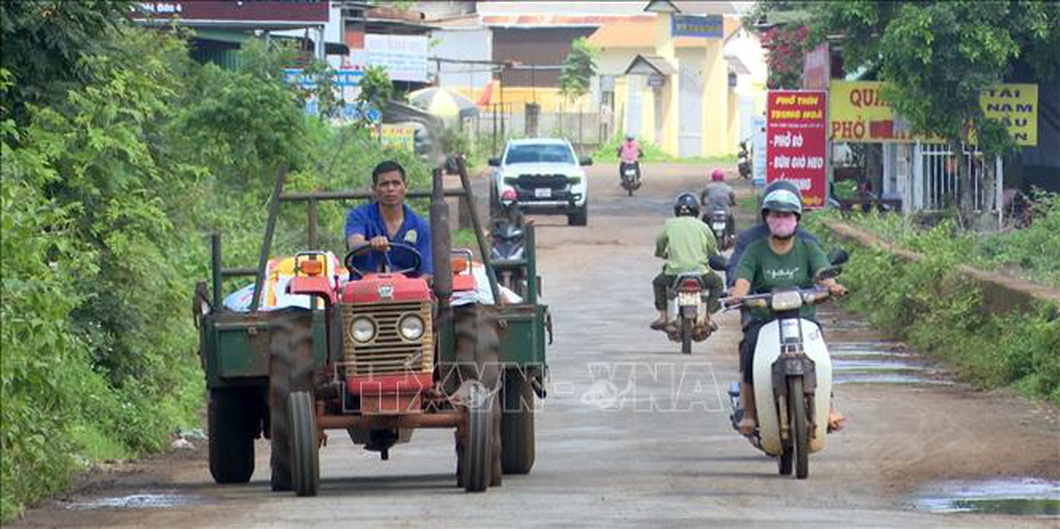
786 300
789 330
411 327
362 330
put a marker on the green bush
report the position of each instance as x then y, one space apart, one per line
937 309
108 197
608 152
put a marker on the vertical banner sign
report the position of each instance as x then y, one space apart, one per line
758 150
796 142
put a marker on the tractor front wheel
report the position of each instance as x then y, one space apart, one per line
305 451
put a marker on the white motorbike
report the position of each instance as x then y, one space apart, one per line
792 376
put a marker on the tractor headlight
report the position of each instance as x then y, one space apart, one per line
362 330
411 327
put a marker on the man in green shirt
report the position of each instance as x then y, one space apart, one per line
778 261
686 243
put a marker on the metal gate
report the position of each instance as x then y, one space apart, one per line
690 117
936 177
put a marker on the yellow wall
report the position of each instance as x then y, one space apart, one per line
715 140
516 97
733 144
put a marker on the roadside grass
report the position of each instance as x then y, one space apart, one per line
608 153
935 308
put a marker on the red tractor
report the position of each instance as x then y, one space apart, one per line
378 356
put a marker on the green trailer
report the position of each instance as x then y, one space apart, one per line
291 374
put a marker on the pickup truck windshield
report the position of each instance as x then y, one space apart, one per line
538 154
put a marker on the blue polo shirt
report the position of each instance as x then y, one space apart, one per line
367 221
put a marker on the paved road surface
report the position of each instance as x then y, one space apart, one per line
665 457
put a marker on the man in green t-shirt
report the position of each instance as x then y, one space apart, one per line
686 243
778 261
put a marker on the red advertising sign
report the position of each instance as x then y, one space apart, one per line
796 142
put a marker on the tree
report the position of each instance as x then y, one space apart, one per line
43 45
936 58
578 68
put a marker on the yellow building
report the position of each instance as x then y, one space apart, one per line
684 92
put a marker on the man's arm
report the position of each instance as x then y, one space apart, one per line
357 227
660 244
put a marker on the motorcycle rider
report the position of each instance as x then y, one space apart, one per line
761 231
628 153
718 196
778 261
686 243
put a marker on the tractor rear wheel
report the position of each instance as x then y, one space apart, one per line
517 424
290 370
233 422
305 451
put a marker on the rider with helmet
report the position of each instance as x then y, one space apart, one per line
686 243
718 196
628 154
780 260
761 231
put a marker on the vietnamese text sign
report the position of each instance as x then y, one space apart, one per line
857 113
758 150
710 26
403 56
397 136
796 142
1016 106
232 11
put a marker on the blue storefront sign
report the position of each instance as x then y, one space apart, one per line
709 26
339 78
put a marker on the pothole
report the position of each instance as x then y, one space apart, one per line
136 501
1020 497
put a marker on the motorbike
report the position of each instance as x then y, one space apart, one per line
744 159
508 243
792 375
718 221
686 305
630 174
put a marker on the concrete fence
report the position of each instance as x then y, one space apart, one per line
1001 294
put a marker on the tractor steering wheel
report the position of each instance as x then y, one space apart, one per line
367 247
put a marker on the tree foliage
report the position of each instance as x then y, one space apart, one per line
109 189
937 57
578 68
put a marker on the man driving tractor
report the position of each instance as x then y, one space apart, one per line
389 220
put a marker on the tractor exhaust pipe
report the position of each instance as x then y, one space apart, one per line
440 242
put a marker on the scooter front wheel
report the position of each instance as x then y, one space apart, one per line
798 424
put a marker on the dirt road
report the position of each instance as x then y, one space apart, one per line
659 452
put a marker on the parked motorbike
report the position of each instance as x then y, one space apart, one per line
686 305
508 243
792 375
630 174
718 221
744 159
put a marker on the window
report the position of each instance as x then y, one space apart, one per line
547 153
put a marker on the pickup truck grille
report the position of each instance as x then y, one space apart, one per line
388 353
